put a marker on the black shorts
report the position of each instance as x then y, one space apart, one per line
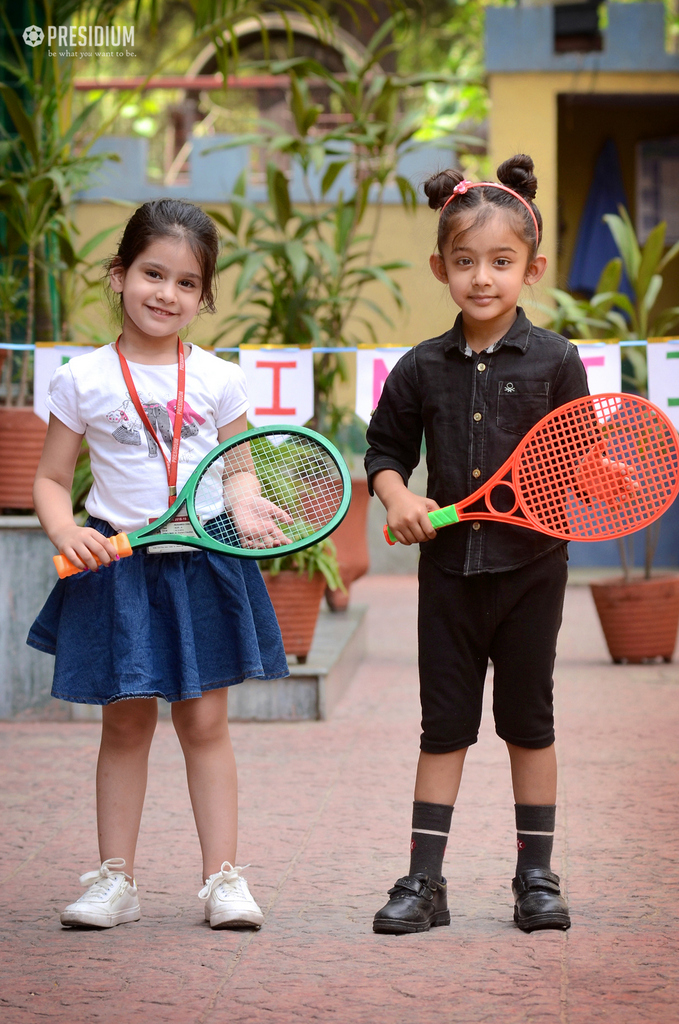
511 617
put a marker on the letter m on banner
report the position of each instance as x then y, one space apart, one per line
372 369
280 385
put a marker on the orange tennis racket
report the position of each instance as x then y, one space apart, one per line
597 468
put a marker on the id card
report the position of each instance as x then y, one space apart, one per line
180 524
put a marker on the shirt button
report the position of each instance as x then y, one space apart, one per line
476 473
481 367
477 416
476 526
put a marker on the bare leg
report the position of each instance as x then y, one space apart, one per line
126 733
203 729
533 774
438 777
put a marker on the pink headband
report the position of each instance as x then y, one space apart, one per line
464 186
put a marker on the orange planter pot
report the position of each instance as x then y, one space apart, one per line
296 600
22 435
351 541
640 619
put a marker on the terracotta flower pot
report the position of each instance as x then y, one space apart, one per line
296 600
640 618
351 541
22 435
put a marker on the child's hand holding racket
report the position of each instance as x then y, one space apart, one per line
255 517
407 513
85 547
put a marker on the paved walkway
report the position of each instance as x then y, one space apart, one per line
325 823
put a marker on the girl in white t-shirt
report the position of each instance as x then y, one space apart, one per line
179 625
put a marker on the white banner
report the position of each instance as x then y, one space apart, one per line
280 385
49 358
602 363
663 377
372 369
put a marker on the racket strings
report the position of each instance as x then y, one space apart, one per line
606 464
270 491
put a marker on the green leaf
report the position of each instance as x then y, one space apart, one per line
408 193
609 280
279 195
626 242
80 121
652 292
333 170
298 106
251 266
96 240
668 257
299 261
650 258
236 256
21 120
665 322
329 255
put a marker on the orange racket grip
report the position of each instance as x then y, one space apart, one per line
388 536
65 568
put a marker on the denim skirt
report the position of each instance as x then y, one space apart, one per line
172 625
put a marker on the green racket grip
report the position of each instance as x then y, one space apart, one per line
439 517
444 517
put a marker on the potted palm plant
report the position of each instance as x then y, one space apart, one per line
639 612
296 584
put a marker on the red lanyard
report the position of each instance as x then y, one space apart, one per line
171 464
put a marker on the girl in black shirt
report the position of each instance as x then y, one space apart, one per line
486 590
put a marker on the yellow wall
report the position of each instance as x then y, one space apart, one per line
524 118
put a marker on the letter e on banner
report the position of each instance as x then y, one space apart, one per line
602 363
372 369
280 385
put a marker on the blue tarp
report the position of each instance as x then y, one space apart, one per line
595 245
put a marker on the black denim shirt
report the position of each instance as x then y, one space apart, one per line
473 409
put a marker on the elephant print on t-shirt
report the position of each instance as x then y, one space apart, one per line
161 417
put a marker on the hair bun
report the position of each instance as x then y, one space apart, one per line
517 173
439 188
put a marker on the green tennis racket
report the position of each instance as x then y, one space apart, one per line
261 493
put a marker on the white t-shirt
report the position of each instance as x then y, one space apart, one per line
89 395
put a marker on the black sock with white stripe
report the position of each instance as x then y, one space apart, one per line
431 825
534 835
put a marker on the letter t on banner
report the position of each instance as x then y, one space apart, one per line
280 385
372 369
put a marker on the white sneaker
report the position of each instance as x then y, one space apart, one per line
110 899
228 903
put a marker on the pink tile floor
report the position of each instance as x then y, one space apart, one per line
325 826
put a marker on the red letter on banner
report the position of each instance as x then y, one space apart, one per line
276 405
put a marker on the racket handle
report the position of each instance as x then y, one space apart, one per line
66 568
438 518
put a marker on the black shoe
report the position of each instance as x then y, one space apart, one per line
538 902
416 904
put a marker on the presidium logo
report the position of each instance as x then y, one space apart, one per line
81 36
33 35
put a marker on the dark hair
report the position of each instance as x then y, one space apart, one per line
171 218
516 173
